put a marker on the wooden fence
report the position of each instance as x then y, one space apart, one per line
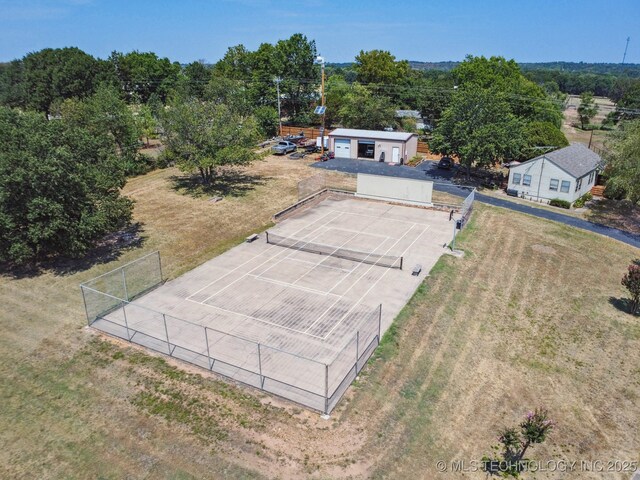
313 132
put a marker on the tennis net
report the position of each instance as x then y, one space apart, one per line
390 261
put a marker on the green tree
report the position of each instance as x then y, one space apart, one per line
59 188
268 122
623 161
514 443
12 86
362 109
143 75
53 75
631 280
379 66
541 137
527 100
204 136
146 123
479 128
336 91
587 108
106 115
196 76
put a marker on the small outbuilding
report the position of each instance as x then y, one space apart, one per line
374 145
567 174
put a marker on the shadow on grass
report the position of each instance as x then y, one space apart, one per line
228 182
623 304
621 214
109 248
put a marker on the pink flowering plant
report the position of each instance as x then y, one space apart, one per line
631 280
509 458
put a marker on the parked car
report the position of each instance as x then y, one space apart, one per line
283 147
445 163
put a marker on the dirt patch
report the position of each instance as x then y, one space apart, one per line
543 249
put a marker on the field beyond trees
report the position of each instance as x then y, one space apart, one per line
529 317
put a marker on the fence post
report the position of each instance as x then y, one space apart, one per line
357 349
160 267
126 324
260 367
326 389
124 284
379 323
86 310
166 331
206 339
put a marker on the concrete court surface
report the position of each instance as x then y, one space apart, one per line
287 300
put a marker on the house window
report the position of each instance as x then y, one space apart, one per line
366 149
578 184
591 175
516 179
526 180
553 184
564 187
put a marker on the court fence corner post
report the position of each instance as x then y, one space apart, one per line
160 267
166 331
86 310
126 323
260 367
124 285
326 389
206 339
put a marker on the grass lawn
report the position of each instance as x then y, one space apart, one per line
528 317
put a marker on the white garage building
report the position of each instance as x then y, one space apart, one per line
567 174
378 146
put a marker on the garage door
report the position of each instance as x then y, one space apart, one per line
343 148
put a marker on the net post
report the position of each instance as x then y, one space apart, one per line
401 262
267 235
166 331
124 284
326 389
126 324
206 339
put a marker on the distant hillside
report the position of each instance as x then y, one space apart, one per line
629 69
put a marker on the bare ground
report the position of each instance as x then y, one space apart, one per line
530 316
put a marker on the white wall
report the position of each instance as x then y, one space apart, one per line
404 190
542 171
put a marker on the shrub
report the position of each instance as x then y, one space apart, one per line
557 202
631 280
582 200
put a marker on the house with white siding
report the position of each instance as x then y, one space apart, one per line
567 174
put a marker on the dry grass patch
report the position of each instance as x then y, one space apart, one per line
528 317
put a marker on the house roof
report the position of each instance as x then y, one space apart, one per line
576 159
373 134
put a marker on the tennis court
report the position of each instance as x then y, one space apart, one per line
297 315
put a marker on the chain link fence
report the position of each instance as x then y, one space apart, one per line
312 383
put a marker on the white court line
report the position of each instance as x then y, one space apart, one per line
390 219
373 285
256 256
294 251
297 287
255 268
356 282
256 318
361 232
328 257
344 270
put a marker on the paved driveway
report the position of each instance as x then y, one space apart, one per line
442 182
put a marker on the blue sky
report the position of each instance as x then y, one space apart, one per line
428 30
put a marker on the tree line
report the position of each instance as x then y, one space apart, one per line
64 111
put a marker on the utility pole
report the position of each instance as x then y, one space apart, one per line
321 60
625 50
278 80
